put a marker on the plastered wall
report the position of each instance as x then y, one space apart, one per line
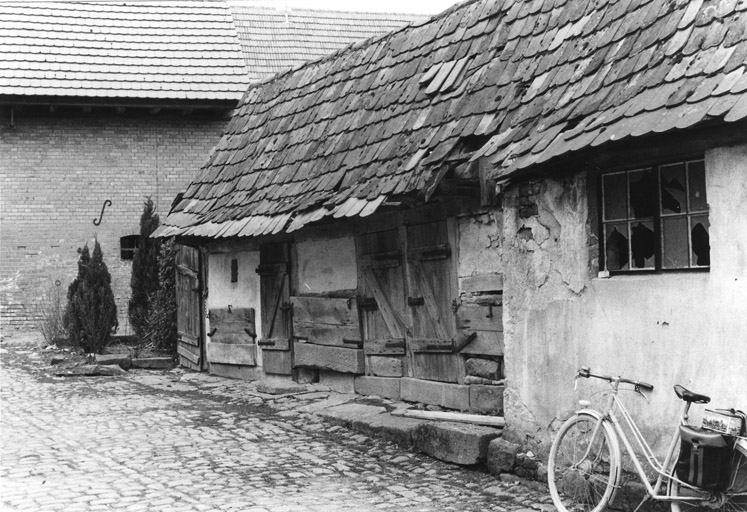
685 328
244 293
326 265
480 243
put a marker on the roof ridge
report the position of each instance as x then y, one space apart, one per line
237 3
360 44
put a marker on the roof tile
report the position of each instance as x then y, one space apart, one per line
538 79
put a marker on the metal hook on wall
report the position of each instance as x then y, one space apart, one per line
96 222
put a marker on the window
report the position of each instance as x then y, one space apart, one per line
128 245
655 219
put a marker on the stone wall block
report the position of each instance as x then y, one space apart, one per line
460 443
502 456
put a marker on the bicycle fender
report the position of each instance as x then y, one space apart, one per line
590 412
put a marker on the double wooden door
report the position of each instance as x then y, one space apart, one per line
407 288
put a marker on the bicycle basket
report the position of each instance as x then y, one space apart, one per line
705 458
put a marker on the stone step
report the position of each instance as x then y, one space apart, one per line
460 443
475 398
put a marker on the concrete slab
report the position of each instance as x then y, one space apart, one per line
380 386
346 414
153 363
91 370
338 382
123 361
331 401
398 430
451 396
459 443
236 371
279 387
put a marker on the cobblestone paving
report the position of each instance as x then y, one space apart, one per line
150 441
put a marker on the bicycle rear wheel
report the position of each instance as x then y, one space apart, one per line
584 465
733 499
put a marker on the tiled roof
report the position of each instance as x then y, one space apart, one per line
274 40
535 78
155 50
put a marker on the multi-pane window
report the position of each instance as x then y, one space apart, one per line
656 218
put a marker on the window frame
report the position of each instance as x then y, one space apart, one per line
655 219
127 248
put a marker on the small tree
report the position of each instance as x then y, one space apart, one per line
144 281
162 328
92 314
72 316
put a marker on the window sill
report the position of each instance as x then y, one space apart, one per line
605 275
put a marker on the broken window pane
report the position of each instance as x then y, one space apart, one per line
664 222
616 244
615 196
674 235
696 177
642 194
643 244
673 189
701 254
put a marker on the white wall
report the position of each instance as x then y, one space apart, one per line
686 328
242 294
326 265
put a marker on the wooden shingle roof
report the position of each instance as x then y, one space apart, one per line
517 82
275 40
154 50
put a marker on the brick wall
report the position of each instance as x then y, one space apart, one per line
56 171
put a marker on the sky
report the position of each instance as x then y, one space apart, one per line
428 7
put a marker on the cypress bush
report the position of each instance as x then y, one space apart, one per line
162 328
144 281
91 314
71 319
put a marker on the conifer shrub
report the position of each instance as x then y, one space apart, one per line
72 316
91 314
161 322
144 281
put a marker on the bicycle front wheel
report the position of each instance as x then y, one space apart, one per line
584 465
733 499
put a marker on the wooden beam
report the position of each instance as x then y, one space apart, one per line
238 354
475 419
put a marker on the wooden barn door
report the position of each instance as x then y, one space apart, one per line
382 303
431 292
276 318
189 308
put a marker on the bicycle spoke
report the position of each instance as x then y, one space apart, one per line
583 466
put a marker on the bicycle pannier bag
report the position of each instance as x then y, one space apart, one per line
705 458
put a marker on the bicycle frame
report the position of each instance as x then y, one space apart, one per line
663 470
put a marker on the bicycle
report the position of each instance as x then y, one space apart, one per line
585 465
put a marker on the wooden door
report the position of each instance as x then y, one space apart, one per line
276 319
382 302
432 291
190 345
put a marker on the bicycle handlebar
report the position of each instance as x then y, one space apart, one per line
585 372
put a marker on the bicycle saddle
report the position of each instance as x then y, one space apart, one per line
689 396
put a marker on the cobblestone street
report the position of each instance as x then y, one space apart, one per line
174 441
